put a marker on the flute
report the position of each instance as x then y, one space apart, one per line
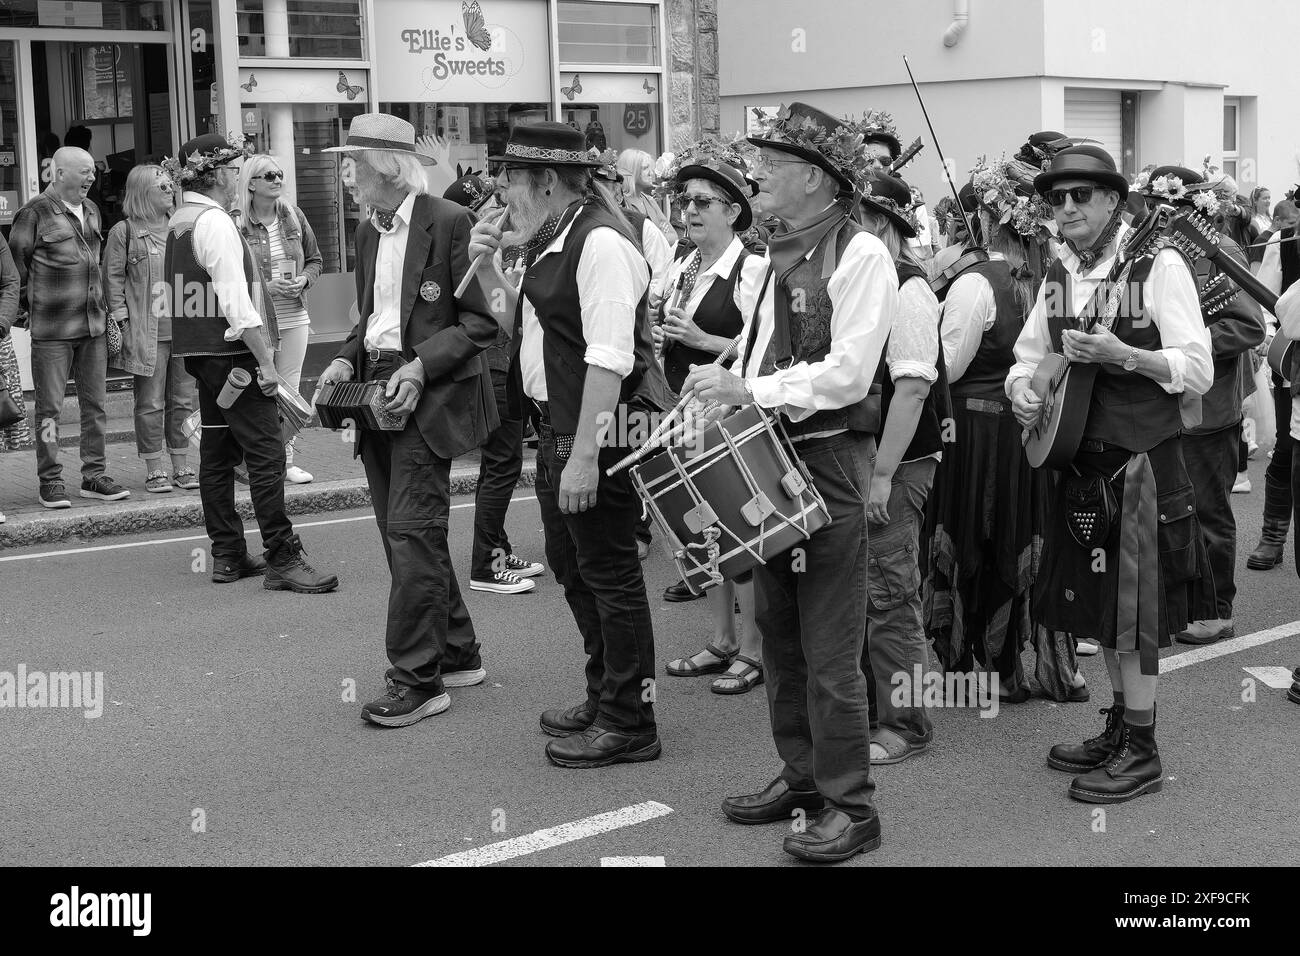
666 426
478 259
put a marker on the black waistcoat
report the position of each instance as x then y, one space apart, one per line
1289 255
986 376
1127 409
551 285
716 315
928 438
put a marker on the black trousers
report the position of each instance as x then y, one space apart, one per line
1212 465
594 558
501 460
248 431
429 628
1277 478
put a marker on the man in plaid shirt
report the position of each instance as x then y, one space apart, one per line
55 241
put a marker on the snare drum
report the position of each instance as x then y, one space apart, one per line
737 497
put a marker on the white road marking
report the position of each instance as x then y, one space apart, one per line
554 836
204 537
632 861
1278 678
1218 649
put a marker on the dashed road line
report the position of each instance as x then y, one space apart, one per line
1278 678
632 861
554 836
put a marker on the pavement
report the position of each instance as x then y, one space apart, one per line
339 482
230 732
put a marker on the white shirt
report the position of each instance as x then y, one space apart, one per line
79 210
219 248
913 345
1288 315
612 278
659 254
1170 301
384 330
720 271
923 239
969 311
864 296
1270 274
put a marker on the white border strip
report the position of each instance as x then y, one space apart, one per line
1221 648
204 537
554 836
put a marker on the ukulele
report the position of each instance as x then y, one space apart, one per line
1065 387
1195 237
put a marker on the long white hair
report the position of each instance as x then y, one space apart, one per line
403 170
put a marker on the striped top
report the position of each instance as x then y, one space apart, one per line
289 313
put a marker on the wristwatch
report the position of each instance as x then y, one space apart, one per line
1131 363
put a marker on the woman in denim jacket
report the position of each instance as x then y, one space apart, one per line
280 237
133 277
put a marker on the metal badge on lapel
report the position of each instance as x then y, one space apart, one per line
430 291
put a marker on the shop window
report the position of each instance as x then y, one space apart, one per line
616 111
472 131
617 34
320 29
11 154
86 16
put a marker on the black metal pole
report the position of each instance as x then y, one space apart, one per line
939 149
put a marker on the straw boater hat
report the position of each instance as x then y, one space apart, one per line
381 131
892 198
818 138
546 144
1087 162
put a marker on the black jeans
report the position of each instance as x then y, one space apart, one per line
1277 477
429 629
812 613
1212 464
248 431
500 463
594 558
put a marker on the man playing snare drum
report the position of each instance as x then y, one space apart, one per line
816 321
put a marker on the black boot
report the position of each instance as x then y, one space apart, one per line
287 571
1134 769
1277 519
1093 752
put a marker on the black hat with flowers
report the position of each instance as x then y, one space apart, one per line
720 162
816 137
892 198
1178 186
202 154
877 126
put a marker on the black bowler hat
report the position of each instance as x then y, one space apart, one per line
795 130
217 149
738 187
1087 162
546 144
892 197
471 190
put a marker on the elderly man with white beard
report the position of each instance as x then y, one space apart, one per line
581 348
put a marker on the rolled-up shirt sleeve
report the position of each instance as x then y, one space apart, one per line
913 346
969 310
612 278
864 299
218 247
1171 300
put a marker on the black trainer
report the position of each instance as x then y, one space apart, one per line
104 488
287 571
54 494
403 705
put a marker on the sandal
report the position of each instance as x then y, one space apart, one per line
896 748
686 667
156 481
186 478
743 682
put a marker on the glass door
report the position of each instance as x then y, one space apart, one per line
11 153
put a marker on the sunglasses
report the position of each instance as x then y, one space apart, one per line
166 188
702 203
271 177
1080 195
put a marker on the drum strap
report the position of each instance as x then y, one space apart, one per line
753 321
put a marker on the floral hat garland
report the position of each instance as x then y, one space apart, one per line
845 149
184 170
709 151
1001 188
1173 189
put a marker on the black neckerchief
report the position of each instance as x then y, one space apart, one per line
1089 257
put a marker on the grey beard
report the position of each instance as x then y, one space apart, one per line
526 217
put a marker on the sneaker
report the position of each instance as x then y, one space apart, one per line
54 495
1086 647
296 476
403 705
523 569
466 677
104 488
1242 486
502 582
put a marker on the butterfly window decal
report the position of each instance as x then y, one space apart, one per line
343 86
252 82
645 85
571 91
475 28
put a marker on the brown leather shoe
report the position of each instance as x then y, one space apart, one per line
834 836
774 802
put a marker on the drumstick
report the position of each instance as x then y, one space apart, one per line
666 425
478 259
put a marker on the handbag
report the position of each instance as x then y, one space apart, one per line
1090 508
114 337
10 413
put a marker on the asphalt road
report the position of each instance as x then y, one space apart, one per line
225 706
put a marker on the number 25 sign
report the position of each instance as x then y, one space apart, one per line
636 120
